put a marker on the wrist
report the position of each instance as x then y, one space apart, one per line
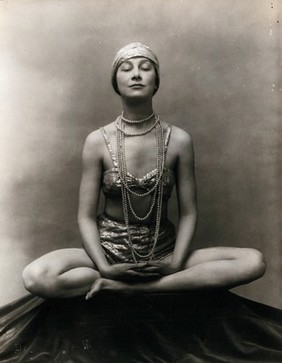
104 270
176 265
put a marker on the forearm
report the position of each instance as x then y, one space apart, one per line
185 234
91 242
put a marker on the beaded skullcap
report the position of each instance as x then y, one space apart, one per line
134 50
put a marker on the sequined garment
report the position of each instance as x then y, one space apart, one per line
114 239
112 184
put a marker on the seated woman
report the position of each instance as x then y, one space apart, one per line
132 247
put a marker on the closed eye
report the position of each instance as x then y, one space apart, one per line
126 66
126 69
146 68
146 65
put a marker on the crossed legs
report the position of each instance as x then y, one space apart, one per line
71 272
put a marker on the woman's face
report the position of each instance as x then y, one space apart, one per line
136 78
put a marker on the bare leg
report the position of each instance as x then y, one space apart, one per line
61 273
206 268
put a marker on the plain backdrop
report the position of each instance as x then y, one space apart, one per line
220 81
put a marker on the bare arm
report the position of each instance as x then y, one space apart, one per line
89 198
186 195
183 150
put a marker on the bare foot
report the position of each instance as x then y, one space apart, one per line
104 285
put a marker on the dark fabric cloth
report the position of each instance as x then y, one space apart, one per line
197 327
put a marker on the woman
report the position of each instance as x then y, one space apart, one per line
132 247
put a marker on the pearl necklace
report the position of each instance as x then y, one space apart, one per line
126 190
160 159
136 121
118 125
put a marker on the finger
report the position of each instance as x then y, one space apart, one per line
152 268
148 269
156 263
139 265
125 266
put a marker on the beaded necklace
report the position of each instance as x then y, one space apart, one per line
157 188
120 126
136 121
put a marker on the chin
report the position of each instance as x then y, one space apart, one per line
137 96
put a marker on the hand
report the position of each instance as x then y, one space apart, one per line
131 272
164 268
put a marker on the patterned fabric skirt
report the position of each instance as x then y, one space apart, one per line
114 239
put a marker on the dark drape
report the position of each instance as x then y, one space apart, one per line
206 327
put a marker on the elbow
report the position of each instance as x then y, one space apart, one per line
80 219
87 226
189 215
83 218
188 221
81 215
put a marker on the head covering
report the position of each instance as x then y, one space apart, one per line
134 50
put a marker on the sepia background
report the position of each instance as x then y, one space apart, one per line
220 81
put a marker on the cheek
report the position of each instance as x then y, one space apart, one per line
120 82
152 79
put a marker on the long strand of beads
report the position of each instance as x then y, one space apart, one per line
156 234
123 173
160 164
134 252
136 121
121 142
126 220
146 216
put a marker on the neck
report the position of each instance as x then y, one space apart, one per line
135 111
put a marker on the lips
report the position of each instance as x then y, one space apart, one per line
136 85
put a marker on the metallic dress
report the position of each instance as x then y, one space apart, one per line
114 234
114 239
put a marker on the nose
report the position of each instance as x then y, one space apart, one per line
136 73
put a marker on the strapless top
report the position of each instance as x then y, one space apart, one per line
111 184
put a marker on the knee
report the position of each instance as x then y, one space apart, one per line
38 280
255 262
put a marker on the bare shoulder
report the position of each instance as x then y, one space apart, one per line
181 139
93 146
93 140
